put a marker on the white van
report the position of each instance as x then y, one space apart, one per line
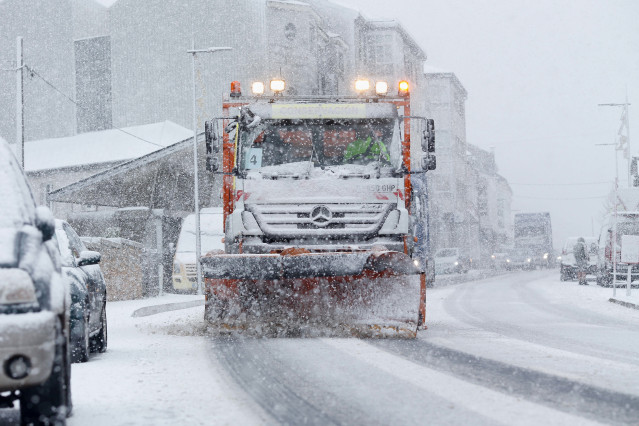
627 224
212 238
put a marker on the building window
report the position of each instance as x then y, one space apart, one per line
381 49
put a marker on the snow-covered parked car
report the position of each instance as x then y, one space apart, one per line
567 264
449 260
81 270
34 320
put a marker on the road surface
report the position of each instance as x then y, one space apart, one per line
518 349
498 350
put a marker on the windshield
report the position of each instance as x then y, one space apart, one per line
209 242
326 142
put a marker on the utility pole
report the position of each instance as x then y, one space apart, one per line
196 195
626 124
20 100
614 226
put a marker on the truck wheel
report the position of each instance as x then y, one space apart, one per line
80 348
99 341
50 402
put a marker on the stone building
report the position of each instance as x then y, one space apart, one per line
470 201
452 222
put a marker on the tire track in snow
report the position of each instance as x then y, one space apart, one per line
309 381
412 362
466 305
253 368
556 392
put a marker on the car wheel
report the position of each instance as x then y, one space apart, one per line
80 347
50 402
99 341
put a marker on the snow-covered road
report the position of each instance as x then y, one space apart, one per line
521 348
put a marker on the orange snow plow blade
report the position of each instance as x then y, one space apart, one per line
363 294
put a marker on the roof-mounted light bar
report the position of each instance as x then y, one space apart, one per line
278 86
404 88
381 88
362 85
257 87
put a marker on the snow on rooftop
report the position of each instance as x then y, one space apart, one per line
295 2
106 3
102 147
429 69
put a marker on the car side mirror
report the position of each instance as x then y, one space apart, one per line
45 222
88 257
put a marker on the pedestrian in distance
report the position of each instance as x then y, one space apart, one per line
581 260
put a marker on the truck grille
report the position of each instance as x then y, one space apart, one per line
320 220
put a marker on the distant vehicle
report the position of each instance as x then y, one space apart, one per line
449 260
212 239
567 265
498 260
533 234
86 284
627 224
520 258
34 304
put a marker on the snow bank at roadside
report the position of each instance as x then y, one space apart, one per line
157 371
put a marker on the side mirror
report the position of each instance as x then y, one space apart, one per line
212 146
429 162
88 257
428 141
45 222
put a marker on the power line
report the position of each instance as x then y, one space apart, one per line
561 184
561 198
34 72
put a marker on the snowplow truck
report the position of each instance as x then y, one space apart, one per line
321 220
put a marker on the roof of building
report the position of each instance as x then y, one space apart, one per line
429 69
392 24
105 146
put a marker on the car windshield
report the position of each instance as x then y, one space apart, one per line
16 203
209 242
326 142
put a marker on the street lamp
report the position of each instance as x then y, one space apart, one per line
196 195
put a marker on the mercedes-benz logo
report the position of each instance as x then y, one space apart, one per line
321 216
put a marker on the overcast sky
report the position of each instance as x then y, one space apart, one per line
535 71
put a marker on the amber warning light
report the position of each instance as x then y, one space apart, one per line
403 87
236 90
